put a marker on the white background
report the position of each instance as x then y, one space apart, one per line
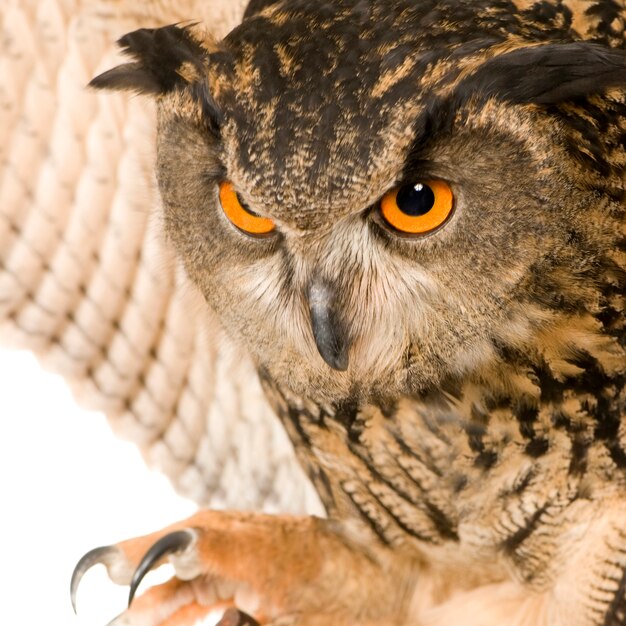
67 485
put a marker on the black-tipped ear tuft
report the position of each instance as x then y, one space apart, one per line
548 74
158 54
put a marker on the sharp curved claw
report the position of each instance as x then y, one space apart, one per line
169 544
102 555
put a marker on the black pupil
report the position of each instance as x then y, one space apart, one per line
245 207
415 200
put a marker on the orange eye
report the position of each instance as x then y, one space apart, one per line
418 208
242 217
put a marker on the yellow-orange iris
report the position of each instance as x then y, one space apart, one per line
239 215
419 208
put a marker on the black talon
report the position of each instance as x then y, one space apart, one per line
170 544
93 557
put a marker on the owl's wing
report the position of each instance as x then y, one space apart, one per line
88 282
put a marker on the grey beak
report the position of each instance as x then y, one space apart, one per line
328 330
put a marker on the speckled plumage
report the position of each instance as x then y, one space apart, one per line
476 439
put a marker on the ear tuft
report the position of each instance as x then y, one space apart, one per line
158 54
549 73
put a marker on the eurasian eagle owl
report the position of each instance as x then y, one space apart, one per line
411 214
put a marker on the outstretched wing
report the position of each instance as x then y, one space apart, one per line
88 282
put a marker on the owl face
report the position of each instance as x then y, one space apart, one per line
374 207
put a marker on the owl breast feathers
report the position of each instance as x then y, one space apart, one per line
410 214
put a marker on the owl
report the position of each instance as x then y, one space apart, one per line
409 216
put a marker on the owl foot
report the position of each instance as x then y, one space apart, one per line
261 569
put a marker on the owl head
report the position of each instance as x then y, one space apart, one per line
384 203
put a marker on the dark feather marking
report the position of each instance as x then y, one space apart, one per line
526 414
551 389
486 459
429 464
362 454
520 486
158 54
294 416
346 413
291 414
578 460
606 413
547 74
608 431
514 541
323 488
210 111
444 526
374 524
475 430
545 14
616 611
609 13
537 447
585 140
406 528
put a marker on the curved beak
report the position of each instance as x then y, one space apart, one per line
329 330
